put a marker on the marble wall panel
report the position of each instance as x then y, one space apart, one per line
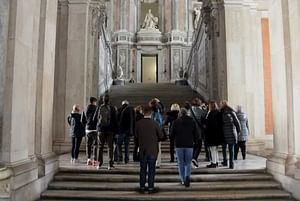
4 14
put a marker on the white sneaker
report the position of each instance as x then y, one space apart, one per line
72 160
89 162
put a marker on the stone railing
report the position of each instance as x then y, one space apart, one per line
106 70
202 66
197 62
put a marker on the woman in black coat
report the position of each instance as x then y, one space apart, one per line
231 127
77 131
213 135
172 116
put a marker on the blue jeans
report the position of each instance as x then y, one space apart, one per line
147 161
184 159
76 141
122 139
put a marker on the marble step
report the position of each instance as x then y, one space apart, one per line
165 171
101 177
140 94
175 186
167 196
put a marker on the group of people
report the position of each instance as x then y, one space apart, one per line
188 129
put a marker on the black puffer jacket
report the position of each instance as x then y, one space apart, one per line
127 120
76 127
231 125
88 118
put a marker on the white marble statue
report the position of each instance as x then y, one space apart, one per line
120 74
150 22
197 12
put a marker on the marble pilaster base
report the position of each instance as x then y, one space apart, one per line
5 177
22 181
276 163
256 147
47 163
297 170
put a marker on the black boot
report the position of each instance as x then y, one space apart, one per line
187 181
231 165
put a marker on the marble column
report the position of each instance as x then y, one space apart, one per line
5 173
174 14
74 68
26 32
60 74
20 84
294 16
4 20
235 52
243 41
47 160
257 128
279 61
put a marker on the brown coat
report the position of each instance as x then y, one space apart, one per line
148 134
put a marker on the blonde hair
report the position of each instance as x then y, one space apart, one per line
175 107
76 108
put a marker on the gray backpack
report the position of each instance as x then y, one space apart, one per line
104 116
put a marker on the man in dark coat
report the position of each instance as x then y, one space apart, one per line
126 119
107 126
148 133
90 131
184 131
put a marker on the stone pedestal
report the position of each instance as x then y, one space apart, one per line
149 36
181 82
118 82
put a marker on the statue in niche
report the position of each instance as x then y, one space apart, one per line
197 12
150 22
120 74
120 71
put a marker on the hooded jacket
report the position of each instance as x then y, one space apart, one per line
76 127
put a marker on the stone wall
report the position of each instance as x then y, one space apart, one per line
172 46
27 94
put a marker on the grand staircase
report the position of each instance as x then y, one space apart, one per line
141 94
248 181
121 184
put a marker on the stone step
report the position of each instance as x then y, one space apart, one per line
195 186
102 177
140 94
161 171
167 196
